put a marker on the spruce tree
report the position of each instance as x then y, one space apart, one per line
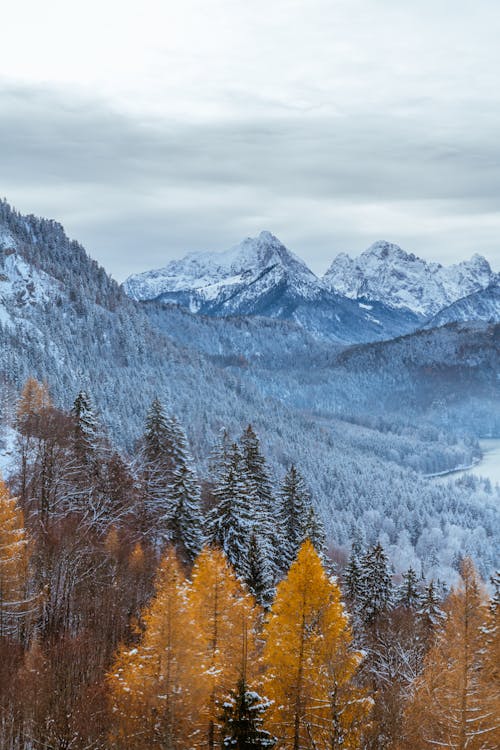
376 586
408 594
314 531
242 720
353 575
293 496
430 611
228 525
185 522
258 577
87 432
156 432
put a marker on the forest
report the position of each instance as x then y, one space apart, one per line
145 606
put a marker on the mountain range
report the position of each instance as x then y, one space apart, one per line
383 293
364 420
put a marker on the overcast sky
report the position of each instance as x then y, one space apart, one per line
155 128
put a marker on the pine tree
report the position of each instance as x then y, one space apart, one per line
242 720
408 593
225 618
185 522
309 662
376 586
228 523
454 704
156 432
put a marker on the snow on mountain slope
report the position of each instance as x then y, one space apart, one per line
483 305
388 274
261 277
215 277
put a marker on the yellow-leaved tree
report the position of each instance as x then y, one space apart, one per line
152 685
15 604
225 617
309 662
456 700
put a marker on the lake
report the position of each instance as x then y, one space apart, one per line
488 467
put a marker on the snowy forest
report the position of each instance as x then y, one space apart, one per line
143 605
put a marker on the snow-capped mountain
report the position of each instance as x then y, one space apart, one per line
260 276
401 280
483 305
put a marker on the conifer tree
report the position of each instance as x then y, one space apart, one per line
15 603
314 531
353 575
294 503
408 594
309 662
430 611
376 586
228 523
225 618
258 577
242 719
454 703
87 432
186 522
154 686
156 432
261 501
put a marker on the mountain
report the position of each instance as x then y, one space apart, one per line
386 273
482 305
261 277
63 319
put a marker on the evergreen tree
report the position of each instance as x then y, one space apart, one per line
376 586
294 503
156 432
186 521
408 593
261 501
430 611
87 431
353 575
242 720
258 578
314 531
228 524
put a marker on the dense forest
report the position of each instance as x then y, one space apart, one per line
145 606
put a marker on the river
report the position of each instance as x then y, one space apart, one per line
488 467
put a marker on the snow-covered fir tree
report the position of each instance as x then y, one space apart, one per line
259 577
408 594
186 520
376 593
242 720
294 502
88 433
228 522
430 611
352 577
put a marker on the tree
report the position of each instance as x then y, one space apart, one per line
294 501
225 618
15 603
258 577
87 431
242 719
228 523
408 594
153 685
185 522
314 531
430 612
456 681
309 662
376 586
353 575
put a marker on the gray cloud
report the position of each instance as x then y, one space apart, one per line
138 192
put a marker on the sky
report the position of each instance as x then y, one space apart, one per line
157 128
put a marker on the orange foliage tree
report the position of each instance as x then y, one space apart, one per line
310 665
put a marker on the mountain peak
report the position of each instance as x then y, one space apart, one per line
387 273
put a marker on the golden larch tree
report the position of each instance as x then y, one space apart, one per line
225 617
15 604
151 684
456 699
309 663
